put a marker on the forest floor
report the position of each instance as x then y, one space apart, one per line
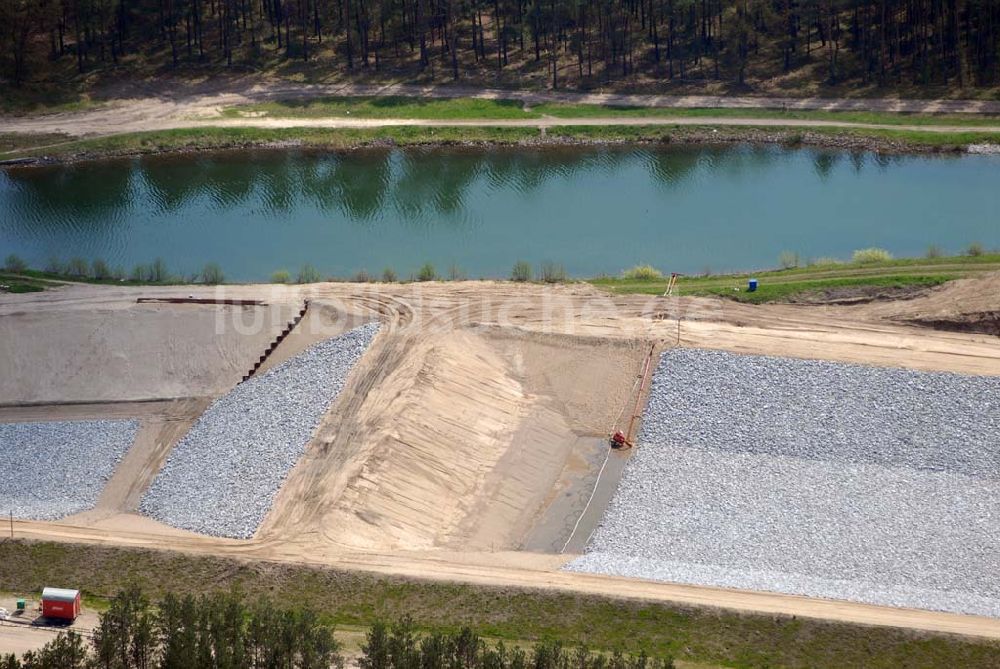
155 98
222 115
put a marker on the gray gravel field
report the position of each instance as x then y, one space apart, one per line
222 477
812 478
55 469
826 411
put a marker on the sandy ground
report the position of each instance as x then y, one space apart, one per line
21 633
144 351
136 110
458 443
473 427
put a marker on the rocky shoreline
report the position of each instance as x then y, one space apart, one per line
842 141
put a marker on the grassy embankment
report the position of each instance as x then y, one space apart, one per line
12 146
10 143
209 138
473 108
220 138
31 280
352 598
815 280
798 283
470 108
26 281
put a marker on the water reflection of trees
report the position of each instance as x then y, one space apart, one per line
676 167
824 162
356 185
429 183
63 197
424 187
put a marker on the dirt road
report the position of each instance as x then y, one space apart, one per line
18 634
93 124
529 570
156 109
19 639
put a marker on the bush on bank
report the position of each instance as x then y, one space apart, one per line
642 273
871 256
14 264
224 631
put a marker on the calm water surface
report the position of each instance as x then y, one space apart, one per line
594 210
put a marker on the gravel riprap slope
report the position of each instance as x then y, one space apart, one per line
812 478
52 470
222 476
826 411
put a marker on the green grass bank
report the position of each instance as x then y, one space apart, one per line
442 109
60 148
818 280
823 280
354 598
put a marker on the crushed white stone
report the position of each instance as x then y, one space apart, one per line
55 469
816 478
222 477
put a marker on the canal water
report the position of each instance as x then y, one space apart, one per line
593 210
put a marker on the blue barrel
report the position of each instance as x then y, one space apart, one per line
751 285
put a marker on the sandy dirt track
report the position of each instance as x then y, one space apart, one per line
468 408
136 109
534 571
90 127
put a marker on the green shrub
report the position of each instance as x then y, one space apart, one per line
100 270
643 273
55 266
308 274
363 277
975 249
139 273
934 251
788 259
427 273
826 262
77 267
389 275
521 272
872 255
212 274
158 271
14 263
281 276
550 272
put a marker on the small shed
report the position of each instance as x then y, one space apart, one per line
60 603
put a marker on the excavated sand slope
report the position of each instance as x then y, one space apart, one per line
459 444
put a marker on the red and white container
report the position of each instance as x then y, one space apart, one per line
60 603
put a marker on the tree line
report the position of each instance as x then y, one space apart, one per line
884 42
222 631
